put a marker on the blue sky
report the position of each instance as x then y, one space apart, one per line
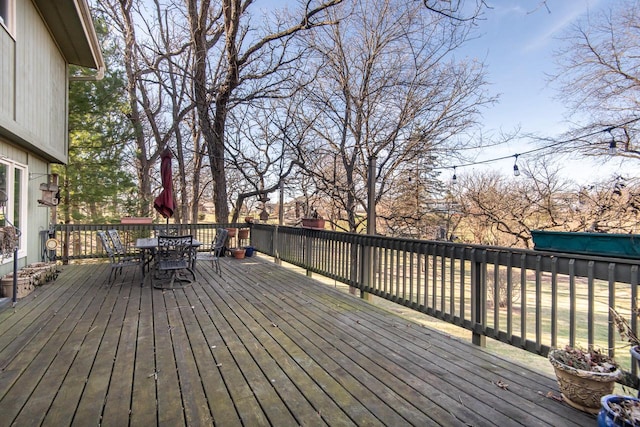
517 40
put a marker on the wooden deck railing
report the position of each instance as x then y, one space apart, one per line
79 241
529 299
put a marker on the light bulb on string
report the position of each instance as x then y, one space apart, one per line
612 145
454 178
516 171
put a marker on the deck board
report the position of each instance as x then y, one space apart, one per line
144 381
262 345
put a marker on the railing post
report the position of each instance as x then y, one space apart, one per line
275 242
65 246
354 249
477 295
367 269
367 256
308 256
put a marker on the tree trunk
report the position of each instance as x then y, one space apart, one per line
134 116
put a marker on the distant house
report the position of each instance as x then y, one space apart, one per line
38 41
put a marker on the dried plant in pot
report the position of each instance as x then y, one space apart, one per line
584 376
617 410
627 334
9 238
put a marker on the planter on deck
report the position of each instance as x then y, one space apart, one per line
580 388
29 277
135 220
313 223
599 244
238 253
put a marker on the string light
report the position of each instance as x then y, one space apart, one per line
516 171
454 178
612 145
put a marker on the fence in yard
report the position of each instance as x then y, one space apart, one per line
529 299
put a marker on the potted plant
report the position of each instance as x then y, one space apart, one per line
243 233
238 252
314 221
9 239
584 376
627 334
623 411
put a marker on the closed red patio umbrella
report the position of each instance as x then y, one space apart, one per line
164 202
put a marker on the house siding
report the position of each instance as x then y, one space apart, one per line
33 110
33 114
7 75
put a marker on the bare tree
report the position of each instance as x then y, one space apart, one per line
610 206
503 210
265 147
387 87
250 63
155 56
212 57
599 78
457 10
499 210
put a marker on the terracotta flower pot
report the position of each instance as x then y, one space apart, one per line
313 223
238 253
243 233
135 220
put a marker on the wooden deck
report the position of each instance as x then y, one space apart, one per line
262 346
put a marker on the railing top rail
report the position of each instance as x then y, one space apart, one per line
386 241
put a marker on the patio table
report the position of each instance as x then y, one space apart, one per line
148 246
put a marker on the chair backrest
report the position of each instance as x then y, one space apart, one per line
174 248
117 243
218 243
165 230
106 244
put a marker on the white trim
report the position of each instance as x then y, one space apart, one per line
9 209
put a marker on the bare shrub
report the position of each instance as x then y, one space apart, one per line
502 297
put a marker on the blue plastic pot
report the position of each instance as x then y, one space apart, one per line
635 353
248 251
606 417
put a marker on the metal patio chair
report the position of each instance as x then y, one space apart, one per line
117 260
117 242
166 230
215 251
173 256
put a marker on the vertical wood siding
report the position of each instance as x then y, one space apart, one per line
33 90
7 75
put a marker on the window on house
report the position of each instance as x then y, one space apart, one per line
13 198
6 14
